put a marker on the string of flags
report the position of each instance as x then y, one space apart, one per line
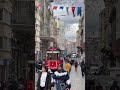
73 8
65 2
79 9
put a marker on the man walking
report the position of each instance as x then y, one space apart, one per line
76 65
62 79
83 68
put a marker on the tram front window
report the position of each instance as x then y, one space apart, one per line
53 56
49 56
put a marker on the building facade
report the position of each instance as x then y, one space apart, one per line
61 36
24 39
53 31
37 30
45 27
6 11
92 11
110 36
80 40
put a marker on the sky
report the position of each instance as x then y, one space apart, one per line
71 23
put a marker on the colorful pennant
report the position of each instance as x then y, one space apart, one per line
73 11
79 11
61 7
39 6
55 7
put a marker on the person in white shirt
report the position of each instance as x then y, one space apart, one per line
44 80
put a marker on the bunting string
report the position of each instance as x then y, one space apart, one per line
79 9
66 2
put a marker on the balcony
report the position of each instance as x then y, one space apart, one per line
45 34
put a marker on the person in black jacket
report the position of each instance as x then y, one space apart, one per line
83 68
44 80
76 65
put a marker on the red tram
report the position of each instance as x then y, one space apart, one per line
53 58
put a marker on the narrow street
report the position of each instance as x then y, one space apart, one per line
77 82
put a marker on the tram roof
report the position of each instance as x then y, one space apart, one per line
53 49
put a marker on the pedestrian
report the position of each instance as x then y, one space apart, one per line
76 65
83 68
71 62
1 85
62 79
115 86
21 84
44 79
68 67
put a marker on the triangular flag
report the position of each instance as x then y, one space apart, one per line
73 11
61 7
39 6
79 11
48 7
67 8
55 7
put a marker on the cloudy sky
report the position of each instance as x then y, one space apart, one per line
71 23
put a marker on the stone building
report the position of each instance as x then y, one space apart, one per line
110 35
61 36
80 40
45 27
53 31
92 26
6 34
37 30
24 39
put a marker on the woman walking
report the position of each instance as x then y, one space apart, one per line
68 67
76 65
44 80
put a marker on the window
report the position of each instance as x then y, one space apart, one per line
1 42
5 42
9 44
53 56
1 14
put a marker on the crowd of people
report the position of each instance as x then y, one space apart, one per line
69 65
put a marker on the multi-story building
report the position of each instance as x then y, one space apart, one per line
55 33
70 47
37 29
110 35
6 11
80 40
45 27
61 36
92 11
24 38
